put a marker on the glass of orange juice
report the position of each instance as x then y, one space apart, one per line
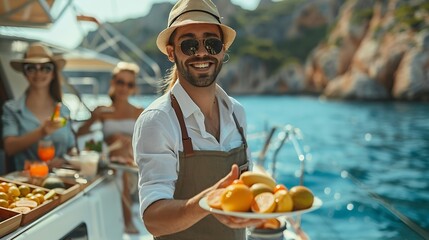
46 150
39 169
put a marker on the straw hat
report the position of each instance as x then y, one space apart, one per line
187 12
38 53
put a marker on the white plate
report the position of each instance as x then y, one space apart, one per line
63 172
72 160
316 205
17 176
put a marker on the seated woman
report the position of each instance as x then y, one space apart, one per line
118 121
28 119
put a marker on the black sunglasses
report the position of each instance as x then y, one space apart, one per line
121 82
45 67
212 45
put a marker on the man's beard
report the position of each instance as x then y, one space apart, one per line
198 80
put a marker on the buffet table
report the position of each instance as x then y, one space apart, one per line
93 213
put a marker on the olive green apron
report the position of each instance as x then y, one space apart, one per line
199 170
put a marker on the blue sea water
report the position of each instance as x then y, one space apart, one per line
367 161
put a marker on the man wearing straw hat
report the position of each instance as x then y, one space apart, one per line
191 140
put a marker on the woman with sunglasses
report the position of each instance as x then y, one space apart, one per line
118 121
28 119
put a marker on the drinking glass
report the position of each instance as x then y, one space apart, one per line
46 150
39 169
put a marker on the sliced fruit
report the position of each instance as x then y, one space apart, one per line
302 197
279 187
50 194
250 178
22 210
264 203
38 190
284 201
214 198
35 199
59 190
26 203
258 188
236 198
40 197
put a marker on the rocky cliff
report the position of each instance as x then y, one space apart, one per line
354 49
376 51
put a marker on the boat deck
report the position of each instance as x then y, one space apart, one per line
143 233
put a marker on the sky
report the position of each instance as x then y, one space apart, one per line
66 32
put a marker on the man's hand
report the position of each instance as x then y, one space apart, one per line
234 222
228 179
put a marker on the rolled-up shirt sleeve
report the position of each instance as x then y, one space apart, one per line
155 149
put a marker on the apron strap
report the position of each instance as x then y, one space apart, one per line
186 140
240 130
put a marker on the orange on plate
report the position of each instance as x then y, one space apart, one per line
264 203
280 187
214 198
236 198
284 201
258 188
302 197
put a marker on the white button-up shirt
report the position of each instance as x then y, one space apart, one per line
157 140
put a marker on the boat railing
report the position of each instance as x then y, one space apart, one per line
85 81
108 39
285 134
275 140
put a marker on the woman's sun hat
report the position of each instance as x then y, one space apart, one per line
38 53
187 12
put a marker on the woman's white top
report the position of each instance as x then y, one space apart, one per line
115 126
